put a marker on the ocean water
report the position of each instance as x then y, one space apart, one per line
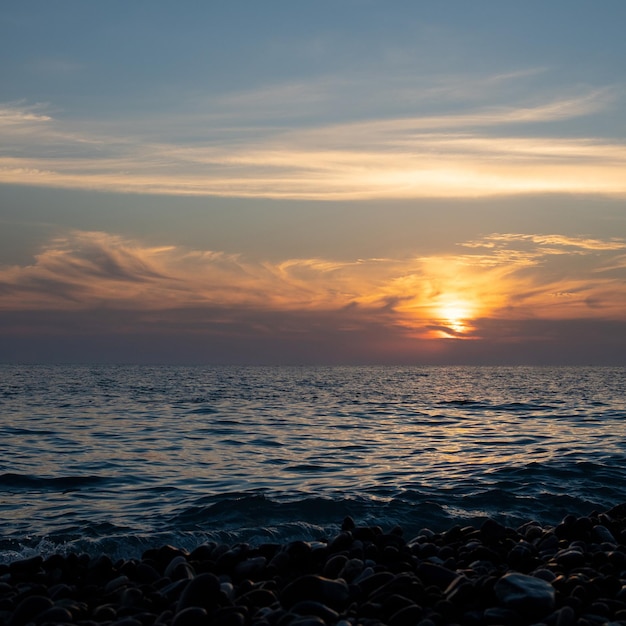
118 459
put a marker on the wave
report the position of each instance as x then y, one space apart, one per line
259 518
10 481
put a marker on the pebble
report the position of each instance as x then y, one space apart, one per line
334 593
573 574
29 608
525 594
203 591
603 535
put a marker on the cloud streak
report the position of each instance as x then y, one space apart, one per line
473 154
502 276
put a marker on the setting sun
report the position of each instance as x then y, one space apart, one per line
454 316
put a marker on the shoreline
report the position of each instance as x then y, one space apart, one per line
573 573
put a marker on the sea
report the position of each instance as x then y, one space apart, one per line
119 459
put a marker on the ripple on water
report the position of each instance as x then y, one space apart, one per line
391 444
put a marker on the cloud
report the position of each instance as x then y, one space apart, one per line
16 115
484 152
503 276
510 295
559 244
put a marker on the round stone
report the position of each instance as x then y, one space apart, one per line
526 594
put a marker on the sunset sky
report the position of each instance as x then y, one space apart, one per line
345 181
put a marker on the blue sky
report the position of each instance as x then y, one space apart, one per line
348 181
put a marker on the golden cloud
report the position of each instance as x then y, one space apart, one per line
425 295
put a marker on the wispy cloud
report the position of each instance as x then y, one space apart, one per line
503 276
467 153
560 243
17 114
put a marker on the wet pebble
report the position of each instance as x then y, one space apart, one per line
525 594
334 593
569 575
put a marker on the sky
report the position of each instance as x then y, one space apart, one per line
328 182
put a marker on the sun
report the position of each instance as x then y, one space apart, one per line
454 316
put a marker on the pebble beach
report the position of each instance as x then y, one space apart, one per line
572 573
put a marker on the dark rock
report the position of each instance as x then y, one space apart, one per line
203 552
406 616
333 593
116 583
491 532
101 564
252 568
29 608
473 618
173 590
26 567
299 551
351 569
165 617
427 550
544 574
203 591
146 574
599 608
162 556
179 568
341 542
228 560
526 594
433 574
348 524
230 618
279 563
602 534
60 590
104 613
334 565
521 557
548 543
405 584
376 581
460 591
310 607
609 585
366 533
308 620
257 598
127 621
191 616
55 615
132 597
582 527
565 616
570 559
54 561
393 603
483 553
500 615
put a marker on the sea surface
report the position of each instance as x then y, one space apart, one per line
118 459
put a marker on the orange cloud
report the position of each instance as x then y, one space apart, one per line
503 276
